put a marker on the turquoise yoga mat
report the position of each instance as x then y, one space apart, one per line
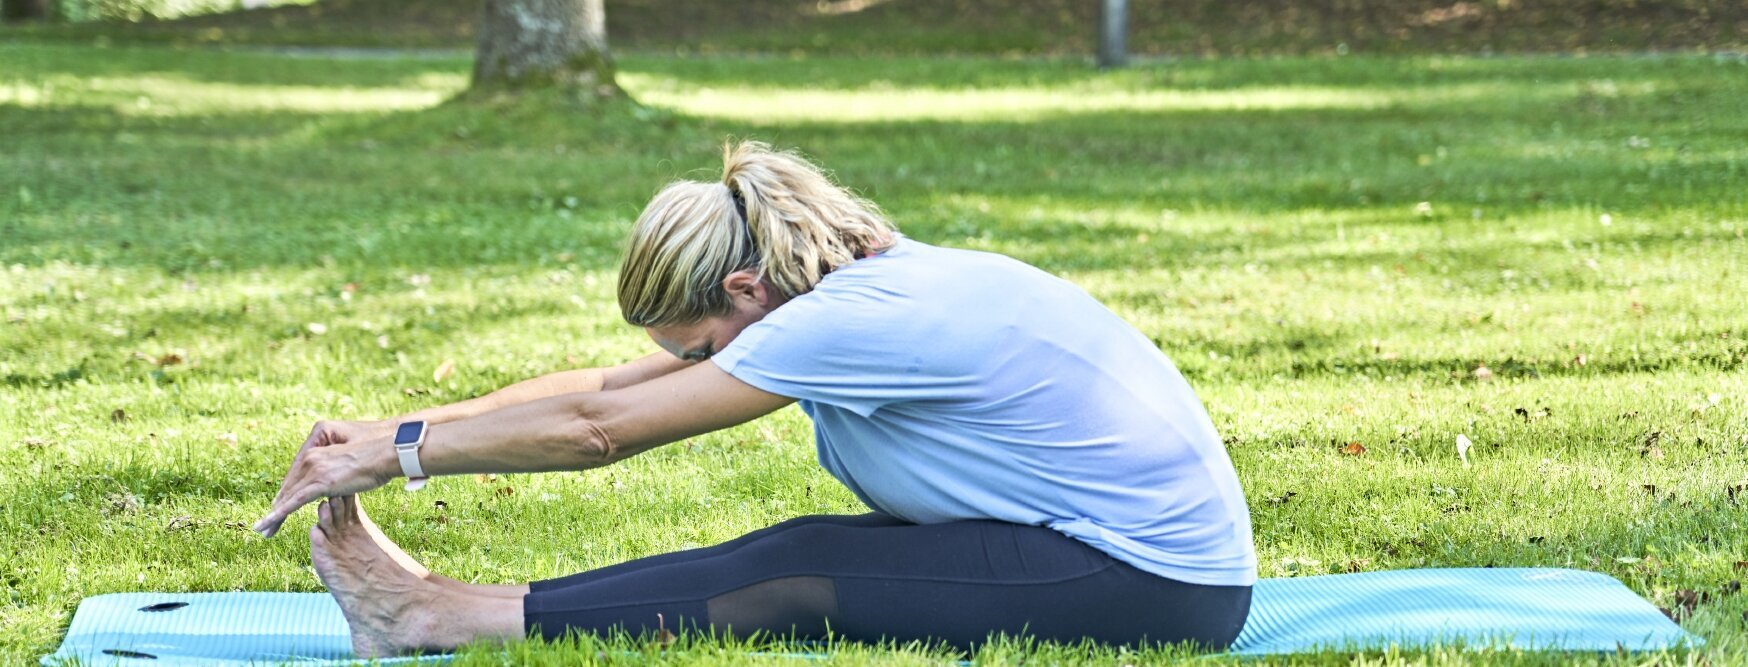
1528 608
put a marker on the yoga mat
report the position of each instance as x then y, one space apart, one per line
1527 608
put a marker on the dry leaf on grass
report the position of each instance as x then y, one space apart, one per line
1353 449
444 370
1463 445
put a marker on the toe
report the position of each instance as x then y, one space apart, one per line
346 510
325 515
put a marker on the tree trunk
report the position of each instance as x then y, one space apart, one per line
24 10
526 44
1113 34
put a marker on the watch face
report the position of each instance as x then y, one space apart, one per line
408 433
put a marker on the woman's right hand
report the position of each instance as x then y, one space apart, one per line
341 432
333 432
331 470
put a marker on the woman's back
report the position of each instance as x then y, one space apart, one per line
949 384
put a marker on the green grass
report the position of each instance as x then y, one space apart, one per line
1328 247
996 27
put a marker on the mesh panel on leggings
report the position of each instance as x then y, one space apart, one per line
800 607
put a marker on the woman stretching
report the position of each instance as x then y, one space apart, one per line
1035 466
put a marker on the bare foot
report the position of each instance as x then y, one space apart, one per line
388 547
389 609
400 556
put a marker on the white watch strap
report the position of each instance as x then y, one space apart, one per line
410 462
410 466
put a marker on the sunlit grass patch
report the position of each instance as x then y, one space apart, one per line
893 103
176 96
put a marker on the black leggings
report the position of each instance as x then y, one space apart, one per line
873 577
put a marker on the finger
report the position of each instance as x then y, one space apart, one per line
293 476
304 496
319 435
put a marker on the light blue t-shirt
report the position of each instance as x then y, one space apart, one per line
950 384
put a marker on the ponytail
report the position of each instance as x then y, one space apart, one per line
803 225
773 211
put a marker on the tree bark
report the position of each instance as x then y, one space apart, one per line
526 44
24 10
1113 34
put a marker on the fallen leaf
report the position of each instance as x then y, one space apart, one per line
1482 372
1463 445
415 391
442 505
1649 488
1357 565
505 491
118 416
182 522
1742 565
444 370
1353 449
1580 360
168 359
349 288
35 443
1735 490
1283 498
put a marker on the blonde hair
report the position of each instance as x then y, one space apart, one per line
798 227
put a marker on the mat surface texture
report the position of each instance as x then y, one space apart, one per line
1529 608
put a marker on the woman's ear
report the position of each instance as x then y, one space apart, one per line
744 284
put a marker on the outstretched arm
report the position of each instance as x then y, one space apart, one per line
334 432
567 432
553 384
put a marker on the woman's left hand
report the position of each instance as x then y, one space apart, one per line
331 470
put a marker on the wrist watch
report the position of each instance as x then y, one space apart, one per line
409 437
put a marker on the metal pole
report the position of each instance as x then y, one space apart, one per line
1113 29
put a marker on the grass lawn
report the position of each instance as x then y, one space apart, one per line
991 27
202 253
